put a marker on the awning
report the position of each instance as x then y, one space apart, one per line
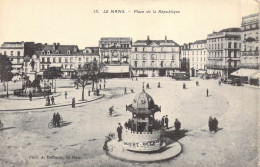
117 69
201 72
244 72
55 65
256 75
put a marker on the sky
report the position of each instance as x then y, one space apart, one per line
74 21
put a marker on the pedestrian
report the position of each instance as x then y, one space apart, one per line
177 125
184 86
210 123
111 109
166 121
89 92
119 132
132 91
66 94
207 92
125 91
147 86
49 100
30 96
52 100
73 102
58 119
136 79
219 83
215 125
104 86
159 85
54 120
162 122
100 86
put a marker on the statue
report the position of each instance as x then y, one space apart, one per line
32 64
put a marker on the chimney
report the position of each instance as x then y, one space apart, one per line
165 39
54 46
148 39
46 44
58 44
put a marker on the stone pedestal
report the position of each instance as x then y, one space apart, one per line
32 75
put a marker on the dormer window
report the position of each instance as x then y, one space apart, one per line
68 52
48 52
57 52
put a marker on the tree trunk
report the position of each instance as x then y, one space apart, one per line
55 87
4 85
83 87
7 89
93 85
52 84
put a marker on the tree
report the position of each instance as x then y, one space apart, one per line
82 76
52 73
5 70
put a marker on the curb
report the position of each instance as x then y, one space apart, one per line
62 105
33 98
147 162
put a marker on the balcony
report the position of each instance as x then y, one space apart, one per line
250 53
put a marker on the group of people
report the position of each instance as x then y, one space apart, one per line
213 124
50 101
165 121
56 120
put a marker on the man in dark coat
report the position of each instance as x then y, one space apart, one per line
119 132
210 124
215 124
66 94
162 122
58 119
207 92
30 96
177 125
166 121
125 91
52 101
73 102
54 120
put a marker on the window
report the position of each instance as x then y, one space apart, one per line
229 45
144 57
79 59
135 63
68 52
60 60
54 60
161 63
71 66
48 59
235 45
57 52
18 53
43 60
144 64
66 66
66 60
12 53
79 66
71 59
43 67
48 52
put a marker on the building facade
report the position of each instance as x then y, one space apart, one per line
223 51
155 57
67 57
115 51
15 52
250 41
194 57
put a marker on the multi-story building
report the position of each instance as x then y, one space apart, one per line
15 52
67 57
194 57
115 53
155 57
250 41
223 51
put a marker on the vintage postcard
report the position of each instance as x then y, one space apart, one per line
125 83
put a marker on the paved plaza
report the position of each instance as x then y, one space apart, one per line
30 142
